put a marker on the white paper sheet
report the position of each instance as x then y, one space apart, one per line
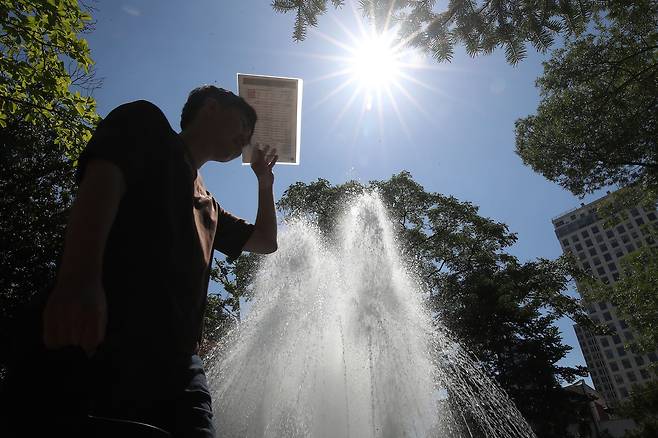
278 104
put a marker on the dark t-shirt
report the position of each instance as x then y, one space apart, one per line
158 253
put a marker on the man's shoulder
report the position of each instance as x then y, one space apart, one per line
140 112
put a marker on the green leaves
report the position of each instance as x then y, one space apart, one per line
481 26
37 185
44 66
596 124
634 295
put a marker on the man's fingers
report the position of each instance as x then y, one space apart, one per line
273 162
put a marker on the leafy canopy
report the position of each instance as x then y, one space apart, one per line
37 185
481 26
43 60
596 124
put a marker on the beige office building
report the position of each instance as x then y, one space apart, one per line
613 368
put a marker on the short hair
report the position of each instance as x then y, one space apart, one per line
198 96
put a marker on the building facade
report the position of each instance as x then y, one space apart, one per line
594 419
613 368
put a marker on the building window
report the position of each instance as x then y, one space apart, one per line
623 391
603 305
614 366
575 238
603 247
586 266
626 363
582 256
595 229
609 354
619 379
620 228
585 233
579 247
616 339
609 234
588 242
652 356
604 341
639 361
614 243
622 324
625 238
631 376
630 247
597 261
639 221
600 271
651 216
619 254
621 351
635 212
599 238
607 257
645 374
615 276
612 266
629 336
590 308
559 223
607 316
592 252
634 234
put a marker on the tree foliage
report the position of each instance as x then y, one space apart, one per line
504 311
480 26
596 126
223 309
45 68
37 185
642 406
634 295
596 123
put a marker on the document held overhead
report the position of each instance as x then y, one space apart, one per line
278 104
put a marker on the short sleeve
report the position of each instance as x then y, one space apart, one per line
232 234
125 138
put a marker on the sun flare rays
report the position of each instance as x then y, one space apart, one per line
378 68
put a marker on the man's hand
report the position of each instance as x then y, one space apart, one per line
76 314
262 162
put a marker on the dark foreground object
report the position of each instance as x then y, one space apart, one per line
111 427
65 393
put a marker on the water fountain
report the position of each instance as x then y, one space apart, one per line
338 344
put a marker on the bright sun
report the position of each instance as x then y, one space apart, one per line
376 62
377 66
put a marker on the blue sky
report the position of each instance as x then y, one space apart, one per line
457 138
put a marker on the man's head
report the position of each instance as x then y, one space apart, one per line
226 119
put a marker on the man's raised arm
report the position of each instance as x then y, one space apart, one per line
263 239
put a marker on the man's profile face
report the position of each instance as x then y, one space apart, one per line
230 131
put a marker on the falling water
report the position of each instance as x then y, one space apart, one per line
338 344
